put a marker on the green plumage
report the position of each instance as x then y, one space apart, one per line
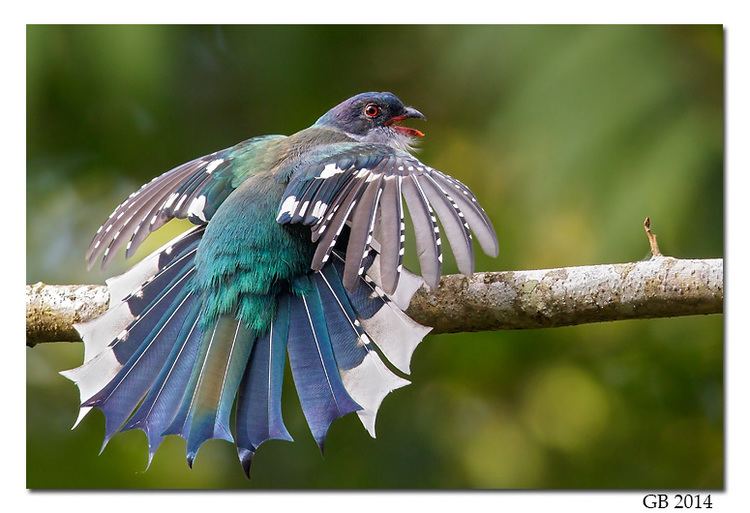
245 257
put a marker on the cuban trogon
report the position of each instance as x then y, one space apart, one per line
296 252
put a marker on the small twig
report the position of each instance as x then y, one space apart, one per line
651 238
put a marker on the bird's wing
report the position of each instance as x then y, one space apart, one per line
192 191
362 185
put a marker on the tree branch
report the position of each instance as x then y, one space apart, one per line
659 287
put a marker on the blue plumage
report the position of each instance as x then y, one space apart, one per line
362 298
228 349
161 404
259 417
316 376
182 420
340 320
120 397
297 253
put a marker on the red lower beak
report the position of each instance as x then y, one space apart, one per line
411 132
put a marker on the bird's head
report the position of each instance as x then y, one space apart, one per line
373 117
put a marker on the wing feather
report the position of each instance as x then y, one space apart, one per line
192 191
331 232
455 227
341 195
327 192
390 233
360 234
474 214
425 231
131 200
117 229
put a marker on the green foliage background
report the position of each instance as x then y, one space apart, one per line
570 136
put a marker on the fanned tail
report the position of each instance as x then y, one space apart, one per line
330 335
155 362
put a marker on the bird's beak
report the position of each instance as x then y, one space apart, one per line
409 113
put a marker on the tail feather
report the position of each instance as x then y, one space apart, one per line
161 404
316 376
145 320
207 405
215 395
125 391
102 331
112 339
259 415
347 336
180 424
123 285
363 373
408 284
394 332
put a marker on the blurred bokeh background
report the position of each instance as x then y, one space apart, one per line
570 136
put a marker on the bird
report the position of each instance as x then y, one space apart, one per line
296 254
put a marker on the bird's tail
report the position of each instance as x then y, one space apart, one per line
151 362
330 336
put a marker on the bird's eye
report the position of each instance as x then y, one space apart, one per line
372 110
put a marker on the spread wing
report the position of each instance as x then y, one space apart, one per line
192 191
364 186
